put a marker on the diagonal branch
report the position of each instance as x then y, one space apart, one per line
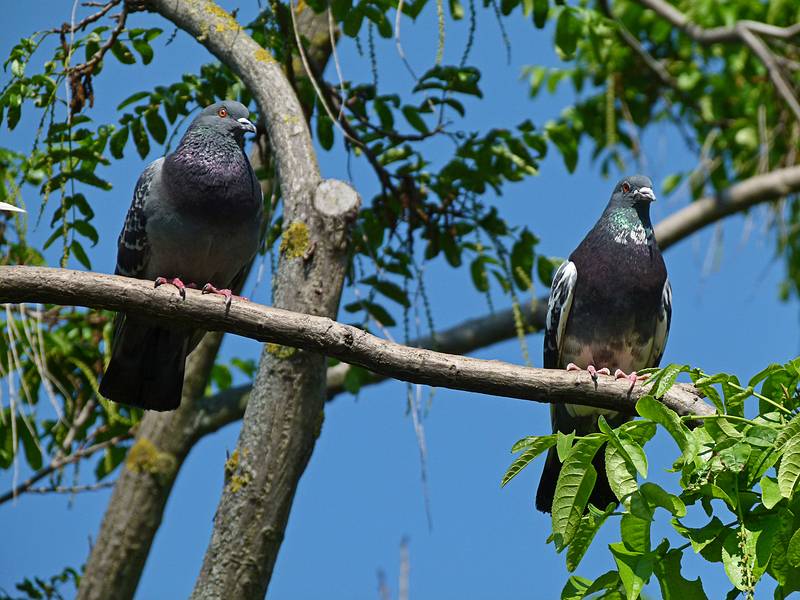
322 335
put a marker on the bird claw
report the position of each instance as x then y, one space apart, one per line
176 281
228 294
632 377
593 373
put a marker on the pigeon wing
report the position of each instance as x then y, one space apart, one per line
663 321
558 306
133 250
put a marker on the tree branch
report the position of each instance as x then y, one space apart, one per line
743 31
322 335
737 198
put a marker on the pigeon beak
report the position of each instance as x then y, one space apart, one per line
10 207
247 125
646 192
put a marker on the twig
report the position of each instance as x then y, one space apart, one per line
75 489
60 462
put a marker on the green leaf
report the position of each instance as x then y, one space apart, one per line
325 131
620 472
122 54
787 432
456 10
574 486
650 408
635 568
33 453
575 588
133 98
156 126
736 552
118 141
770 492
533 450
355 378
411 113
568 30
789 469
389 289
144 49
702 537
140 138
87 230
540 10
477 269
673 585
671 182
587 529
628 449
564 444
666 377
79 253
635 528
657 496
546 268
793 553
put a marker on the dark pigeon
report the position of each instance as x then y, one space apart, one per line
610 308
195 218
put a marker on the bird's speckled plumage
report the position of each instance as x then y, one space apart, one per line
195 215
610 306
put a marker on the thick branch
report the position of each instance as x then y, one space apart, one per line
324 336
737 198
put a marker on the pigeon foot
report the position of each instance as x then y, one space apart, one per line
176 281
633 377
593 373
229 295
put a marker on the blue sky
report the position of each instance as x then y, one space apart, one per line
361 493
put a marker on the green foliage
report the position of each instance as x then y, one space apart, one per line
752 465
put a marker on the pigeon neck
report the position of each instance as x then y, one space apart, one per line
209 168
629 224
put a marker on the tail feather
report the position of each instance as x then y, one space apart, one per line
147 365
601 495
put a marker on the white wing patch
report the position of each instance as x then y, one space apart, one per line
558 307
662 325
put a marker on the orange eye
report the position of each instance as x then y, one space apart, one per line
223 112
625 186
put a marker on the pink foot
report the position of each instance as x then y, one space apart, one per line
177 283
593 373
229 295
633 377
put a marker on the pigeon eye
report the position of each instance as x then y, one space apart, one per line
625 186
223 112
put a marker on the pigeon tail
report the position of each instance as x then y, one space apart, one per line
147 364
601 495
566 423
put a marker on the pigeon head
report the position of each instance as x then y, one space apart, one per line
227 116
635 191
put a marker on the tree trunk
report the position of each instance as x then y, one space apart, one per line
137 505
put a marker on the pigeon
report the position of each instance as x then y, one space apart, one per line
610 308
195 218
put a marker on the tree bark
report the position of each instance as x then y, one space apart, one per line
137 504
283 416
118 557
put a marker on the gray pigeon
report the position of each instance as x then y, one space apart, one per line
195 218
610 308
